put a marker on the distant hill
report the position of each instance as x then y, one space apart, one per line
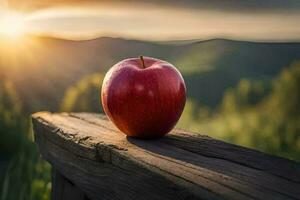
43 68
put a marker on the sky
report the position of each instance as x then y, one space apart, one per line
255 20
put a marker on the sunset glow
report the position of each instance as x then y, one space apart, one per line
158 23
12 25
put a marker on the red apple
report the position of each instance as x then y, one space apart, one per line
144 97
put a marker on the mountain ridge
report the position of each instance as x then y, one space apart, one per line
182 41
45 67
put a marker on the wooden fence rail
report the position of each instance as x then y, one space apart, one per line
91 159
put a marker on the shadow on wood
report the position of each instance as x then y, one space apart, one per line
63 189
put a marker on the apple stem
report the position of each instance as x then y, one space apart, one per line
143 62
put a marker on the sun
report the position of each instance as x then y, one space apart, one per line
12 25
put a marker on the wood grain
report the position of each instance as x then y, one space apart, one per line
63 189
89 151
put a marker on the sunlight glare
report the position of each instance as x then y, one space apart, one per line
12 25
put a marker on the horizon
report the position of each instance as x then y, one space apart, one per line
175 41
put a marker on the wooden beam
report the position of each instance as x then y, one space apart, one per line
105 164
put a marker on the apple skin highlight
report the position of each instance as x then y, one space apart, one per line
144 97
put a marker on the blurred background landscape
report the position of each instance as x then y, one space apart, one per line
240 61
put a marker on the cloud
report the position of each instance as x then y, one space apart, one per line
219 5
156 23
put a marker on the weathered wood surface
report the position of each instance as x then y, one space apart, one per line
89 151
63 189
